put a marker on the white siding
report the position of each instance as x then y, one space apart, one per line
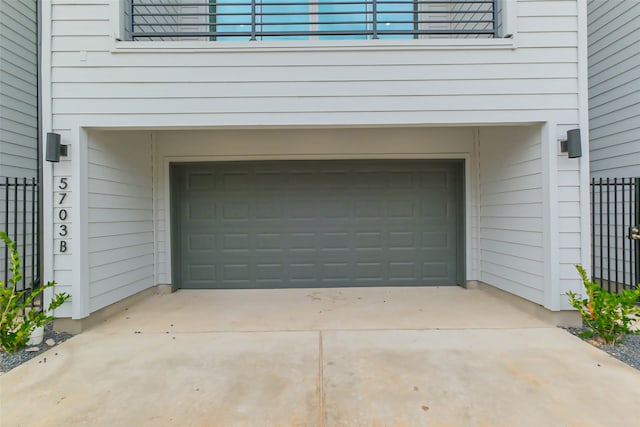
120 233
64 262
318 99
614 87
18 88
313 83
570 223
511 211
18 120
514 253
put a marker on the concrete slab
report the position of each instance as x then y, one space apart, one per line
322 309
213 379
337 357
532 377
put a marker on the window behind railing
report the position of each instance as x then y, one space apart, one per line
243 20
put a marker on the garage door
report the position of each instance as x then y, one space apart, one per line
317 224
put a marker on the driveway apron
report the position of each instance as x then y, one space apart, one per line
322 357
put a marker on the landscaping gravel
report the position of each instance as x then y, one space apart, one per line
627 350
10 361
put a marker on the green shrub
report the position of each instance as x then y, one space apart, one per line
610 316
16 323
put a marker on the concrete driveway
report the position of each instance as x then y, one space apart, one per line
314 357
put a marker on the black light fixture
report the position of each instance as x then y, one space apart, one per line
53 148
572 145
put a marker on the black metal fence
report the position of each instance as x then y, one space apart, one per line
19 218
224 20
615 232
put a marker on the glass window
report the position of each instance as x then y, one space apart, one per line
321 19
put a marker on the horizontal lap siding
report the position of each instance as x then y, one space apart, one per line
95 85
569 224
18 124
18 88
120 233
406 85
63 266
511 211
614 87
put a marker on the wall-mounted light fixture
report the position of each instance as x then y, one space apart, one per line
53 148
573 144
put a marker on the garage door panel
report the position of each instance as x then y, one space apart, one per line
434 179
238 180
202 242
401 180
236 242
236 272
201 181
402 209
202 273
268 210
318 223
201 208
435 239
236 211
269 242
269 181
436 270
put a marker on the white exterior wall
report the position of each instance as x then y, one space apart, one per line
530 215
18 121
120 208
145 84
614 113
96 82
614 87
511 211
18 89
111 256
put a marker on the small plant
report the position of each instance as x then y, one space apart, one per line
17 322
610 316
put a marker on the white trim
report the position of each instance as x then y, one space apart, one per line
154 201
167 160
478 198
80 224
311 45
510 18
166 184
117 16
47 168
550 144
583 117
468 255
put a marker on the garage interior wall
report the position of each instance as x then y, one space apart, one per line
128 186
120 216
511 210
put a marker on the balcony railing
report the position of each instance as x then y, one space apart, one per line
242 20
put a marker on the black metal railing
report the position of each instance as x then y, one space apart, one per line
615 232
229 20
19 218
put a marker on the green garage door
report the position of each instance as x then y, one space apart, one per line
317 224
